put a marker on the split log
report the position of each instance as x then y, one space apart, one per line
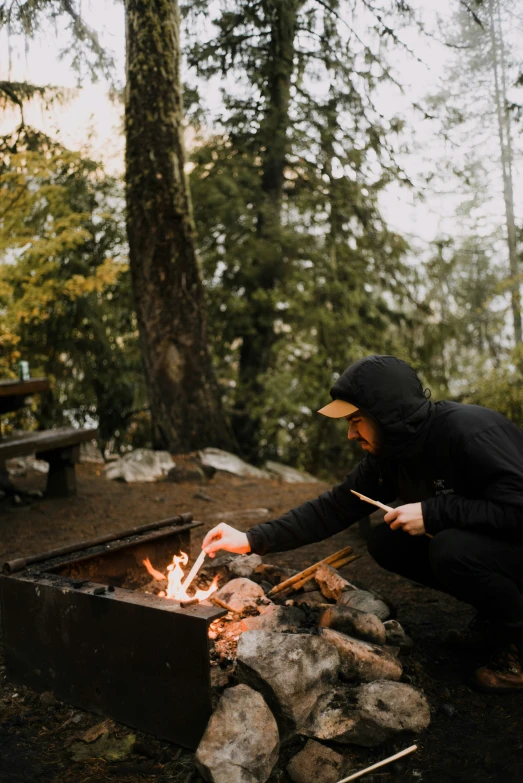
343 561
307 573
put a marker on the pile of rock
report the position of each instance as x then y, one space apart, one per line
323 665
149 465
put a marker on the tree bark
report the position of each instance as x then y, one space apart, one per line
269 266
184 395
505 144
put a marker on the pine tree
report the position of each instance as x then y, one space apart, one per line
184 396
286 205
476 105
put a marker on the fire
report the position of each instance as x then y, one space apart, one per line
175 577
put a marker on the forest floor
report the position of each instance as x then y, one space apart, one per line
472 736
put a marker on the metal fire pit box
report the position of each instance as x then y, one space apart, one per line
75 623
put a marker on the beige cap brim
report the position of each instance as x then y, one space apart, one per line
337 409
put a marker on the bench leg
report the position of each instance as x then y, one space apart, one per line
6 485
61 479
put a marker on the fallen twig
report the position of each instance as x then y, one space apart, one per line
390 759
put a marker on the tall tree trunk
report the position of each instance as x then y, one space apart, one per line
505 144
269 266
184 396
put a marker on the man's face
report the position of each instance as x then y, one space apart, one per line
365 430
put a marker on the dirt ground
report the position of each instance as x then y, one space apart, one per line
472 737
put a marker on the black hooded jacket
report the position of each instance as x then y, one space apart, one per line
464 462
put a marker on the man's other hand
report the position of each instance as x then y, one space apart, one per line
225 537
408 518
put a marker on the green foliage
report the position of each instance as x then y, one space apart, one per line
502 388
304 277
324 278
459 325
65 300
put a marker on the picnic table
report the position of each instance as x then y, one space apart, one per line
13 394
59 447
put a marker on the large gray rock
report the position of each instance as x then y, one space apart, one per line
388 708
316 763
361 625
230 463
245 565
365 602
275 618
241 741
361 660
290 671
334 716
140 465
369 714
291 475
331 583
240 595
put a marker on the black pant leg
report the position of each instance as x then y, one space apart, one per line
402 554
482 571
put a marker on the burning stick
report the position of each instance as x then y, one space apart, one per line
378 504
194 570
380 764
308 572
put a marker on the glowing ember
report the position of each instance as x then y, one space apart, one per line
175 577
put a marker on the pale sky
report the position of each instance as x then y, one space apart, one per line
91 121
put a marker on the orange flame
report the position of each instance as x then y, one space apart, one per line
175 577
154 573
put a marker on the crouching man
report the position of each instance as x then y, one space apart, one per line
458 470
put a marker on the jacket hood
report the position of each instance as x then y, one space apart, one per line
389 391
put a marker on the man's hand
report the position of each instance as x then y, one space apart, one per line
408 518
225 537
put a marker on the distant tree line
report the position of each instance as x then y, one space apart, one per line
218 311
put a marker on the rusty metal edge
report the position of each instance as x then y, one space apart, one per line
153 536
12 566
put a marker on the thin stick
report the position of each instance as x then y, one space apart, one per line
373 502
345 561
310 570
379 505
380 764
335 564
194 570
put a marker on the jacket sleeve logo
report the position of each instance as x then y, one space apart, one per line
439 487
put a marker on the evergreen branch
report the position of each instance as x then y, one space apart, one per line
83 31
375 59
14 200
391 33
6 88
472 13
18 92
439 41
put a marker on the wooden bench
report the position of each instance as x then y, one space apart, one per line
59 447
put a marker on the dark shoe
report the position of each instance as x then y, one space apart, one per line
479 634
503 673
